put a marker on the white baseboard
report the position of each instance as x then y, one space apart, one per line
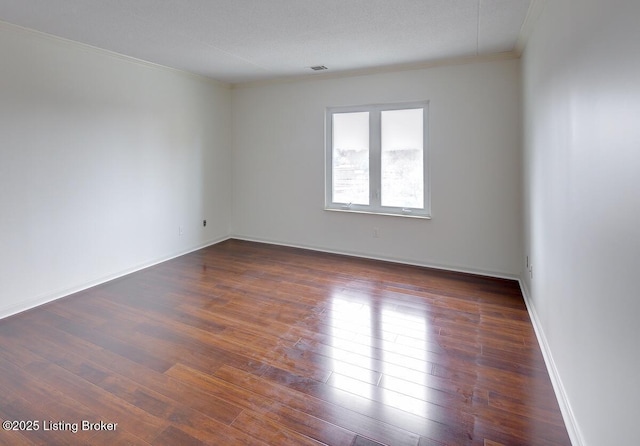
563 401
362 255
50 297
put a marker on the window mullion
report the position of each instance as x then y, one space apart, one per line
375 167
354 139
329 175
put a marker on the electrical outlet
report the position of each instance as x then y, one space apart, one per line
204 222
376 233
180 231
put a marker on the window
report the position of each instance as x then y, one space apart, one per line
376 159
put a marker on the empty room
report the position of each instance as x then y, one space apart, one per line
286 222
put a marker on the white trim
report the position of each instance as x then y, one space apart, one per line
323 75
571 423
533 14
109 53
462 60
575 435
50 297
423 217
374 205
362 255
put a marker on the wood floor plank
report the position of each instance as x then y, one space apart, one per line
450 426
247 343
286 416
271 431
342 416
172 436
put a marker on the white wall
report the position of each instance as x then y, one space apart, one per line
581 74
278 175
101 159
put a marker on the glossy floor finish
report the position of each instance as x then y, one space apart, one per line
245 343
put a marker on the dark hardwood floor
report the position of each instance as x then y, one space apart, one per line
245 343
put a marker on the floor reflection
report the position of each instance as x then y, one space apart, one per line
379 352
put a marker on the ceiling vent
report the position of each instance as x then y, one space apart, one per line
319 68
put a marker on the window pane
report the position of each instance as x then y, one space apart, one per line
402 158
350 158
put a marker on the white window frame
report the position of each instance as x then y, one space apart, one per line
375 154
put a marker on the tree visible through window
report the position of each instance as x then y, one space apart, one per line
376 159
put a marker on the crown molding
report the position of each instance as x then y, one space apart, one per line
108 53
532 15
463 60
535 10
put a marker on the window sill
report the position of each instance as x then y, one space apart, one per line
352 211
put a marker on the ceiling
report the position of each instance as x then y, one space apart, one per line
239 41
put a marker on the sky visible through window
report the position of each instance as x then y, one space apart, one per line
402 158
351 158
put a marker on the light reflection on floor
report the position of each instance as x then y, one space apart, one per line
380 353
